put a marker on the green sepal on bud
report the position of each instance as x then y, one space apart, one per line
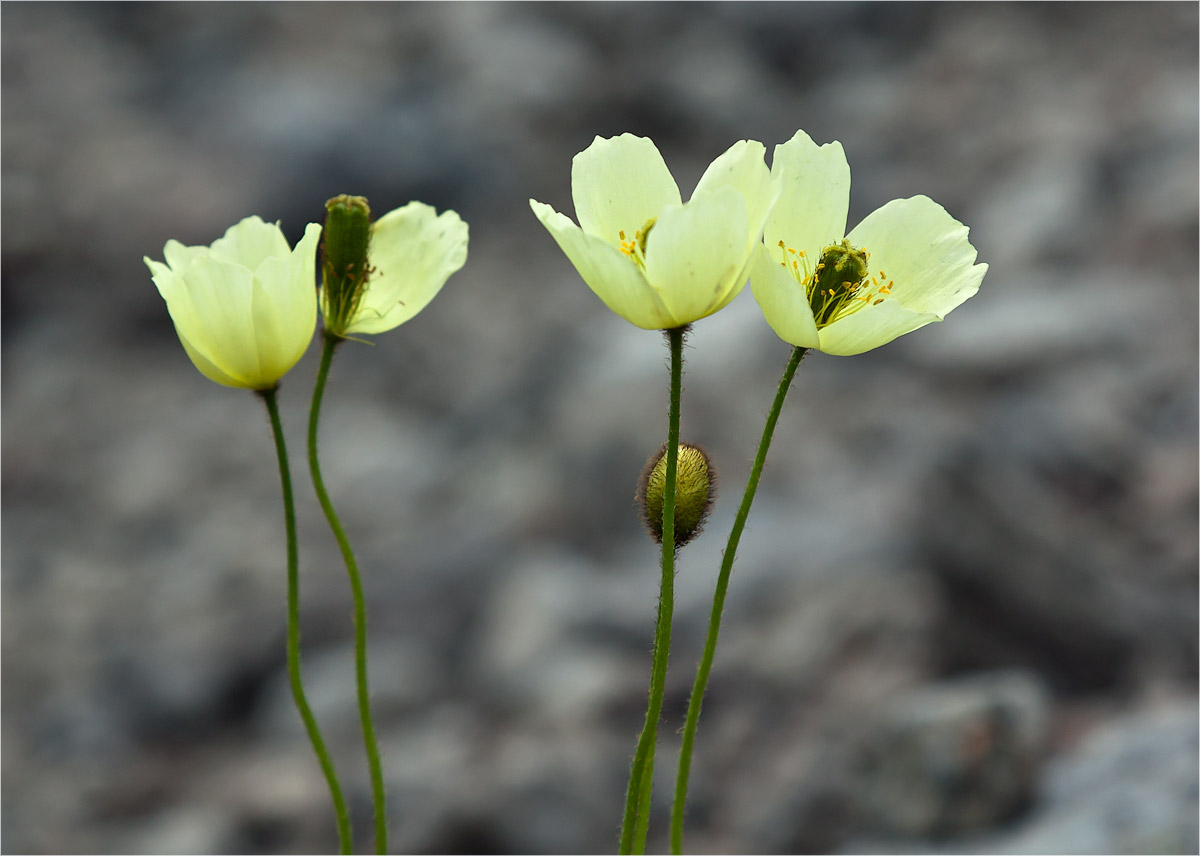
344 267
840 271
695 491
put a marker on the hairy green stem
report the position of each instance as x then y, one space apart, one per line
718 605
345 836
637 799
360 607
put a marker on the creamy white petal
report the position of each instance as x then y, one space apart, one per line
174 292
924 251
696 252
413 252
165 279
742 167
870 327
275 341
302 274
208 368
739 283
285 316
179 256
219 322
814 195
782 300
300 308
179 305
249 241
609 273
618 184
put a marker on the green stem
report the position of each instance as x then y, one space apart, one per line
360 608
637 799
345 837
718 605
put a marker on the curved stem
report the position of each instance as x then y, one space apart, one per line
714 623
360 608
637 799
345 837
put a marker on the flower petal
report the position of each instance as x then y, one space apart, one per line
179 304
696 253
870 327
217 319
250 241
414 250
179 256
610 274
742 167
208 368
618 184
302 272
924 251
165 278
782 301
275 338
814 195
285 317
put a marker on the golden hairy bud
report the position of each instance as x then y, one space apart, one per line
695 491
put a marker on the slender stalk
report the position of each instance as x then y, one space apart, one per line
637 799
360 608
714 623
345 836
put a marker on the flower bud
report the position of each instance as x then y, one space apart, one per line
344 267
695 490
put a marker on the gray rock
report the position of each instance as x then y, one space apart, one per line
1131 787
956 757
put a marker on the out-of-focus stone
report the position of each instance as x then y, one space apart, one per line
955 757
1131 787
1061 540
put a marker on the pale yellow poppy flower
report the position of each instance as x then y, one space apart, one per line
654 260
906 265
413 251
244 308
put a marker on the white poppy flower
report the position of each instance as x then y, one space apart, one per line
906 265
657 262
412 252
244 308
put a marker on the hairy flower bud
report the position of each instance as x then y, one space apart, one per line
695 490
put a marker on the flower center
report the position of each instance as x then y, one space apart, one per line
840 284
636 248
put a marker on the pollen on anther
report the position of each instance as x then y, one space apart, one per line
621 234
877 302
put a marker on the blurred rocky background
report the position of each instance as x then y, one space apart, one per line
964 618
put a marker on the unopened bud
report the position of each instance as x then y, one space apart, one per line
695 490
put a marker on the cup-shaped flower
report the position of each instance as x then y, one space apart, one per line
411 253
245 308
657 262
904 266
